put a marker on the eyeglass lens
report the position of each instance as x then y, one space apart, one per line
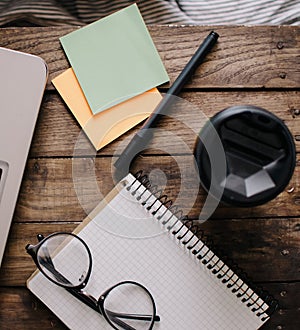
68 266
129 306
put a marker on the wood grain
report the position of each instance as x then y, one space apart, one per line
272 244
20 310
249 65
48 192
58 133
245 56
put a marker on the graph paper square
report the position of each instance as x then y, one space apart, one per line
187 294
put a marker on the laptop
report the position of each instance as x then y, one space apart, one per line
23 79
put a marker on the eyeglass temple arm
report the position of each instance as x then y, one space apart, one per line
88 299
91 301
140 317
47 263
82 296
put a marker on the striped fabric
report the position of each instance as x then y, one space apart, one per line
199 12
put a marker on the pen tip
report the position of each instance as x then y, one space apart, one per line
215 34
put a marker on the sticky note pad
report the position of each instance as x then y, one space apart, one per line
114 59
107 125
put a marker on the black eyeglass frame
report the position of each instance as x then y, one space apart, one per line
76 291
33 251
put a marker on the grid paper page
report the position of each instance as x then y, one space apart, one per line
186 293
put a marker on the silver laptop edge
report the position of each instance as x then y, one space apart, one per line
23 80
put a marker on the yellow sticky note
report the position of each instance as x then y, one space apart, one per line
115 55
106 126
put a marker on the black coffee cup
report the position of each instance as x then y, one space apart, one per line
259 154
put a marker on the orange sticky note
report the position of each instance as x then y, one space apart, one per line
106 126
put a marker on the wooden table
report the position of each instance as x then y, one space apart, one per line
249 65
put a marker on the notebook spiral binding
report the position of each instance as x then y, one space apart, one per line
230 274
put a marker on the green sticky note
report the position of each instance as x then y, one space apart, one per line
114 59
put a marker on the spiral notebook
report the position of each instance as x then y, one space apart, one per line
135 235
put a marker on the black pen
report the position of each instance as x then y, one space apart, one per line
143 136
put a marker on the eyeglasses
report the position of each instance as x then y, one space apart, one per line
126 305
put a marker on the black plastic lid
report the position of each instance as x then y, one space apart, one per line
259 151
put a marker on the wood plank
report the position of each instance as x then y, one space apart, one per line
22 310
19 309
249 65
17 265
48 193
245 56
57 131
266 249
288 312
